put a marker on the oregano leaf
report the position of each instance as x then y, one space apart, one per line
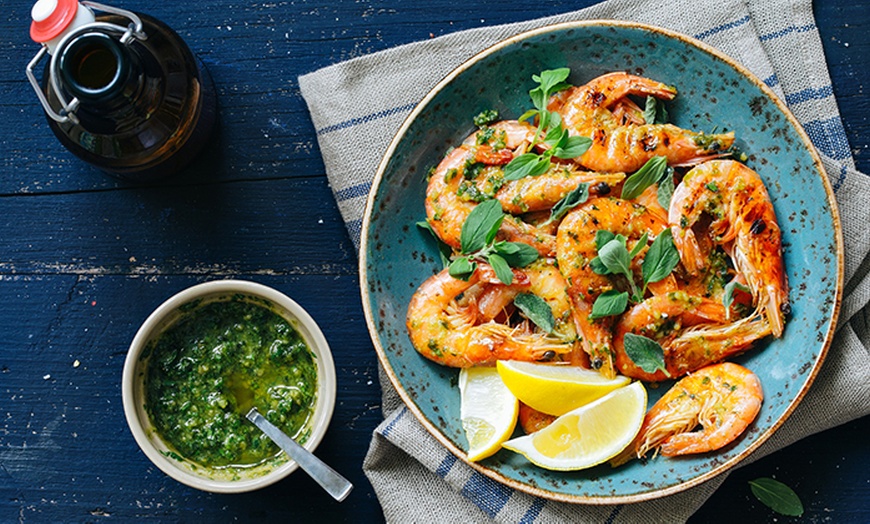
645 352
481 226
609 303
537 310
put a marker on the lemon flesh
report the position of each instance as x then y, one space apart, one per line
556 389
589 435
488 411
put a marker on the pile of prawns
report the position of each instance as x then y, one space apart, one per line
723 226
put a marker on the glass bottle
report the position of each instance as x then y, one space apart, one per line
121 91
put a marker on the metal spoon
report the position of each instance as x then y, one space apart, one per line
334 484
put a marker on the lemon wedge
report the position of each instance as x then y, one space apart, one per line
589 435
488 410
555 389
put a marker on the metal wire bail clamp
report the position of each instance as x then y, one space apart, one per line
134 31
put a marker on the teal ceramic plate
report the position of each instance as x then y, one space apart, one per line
396 257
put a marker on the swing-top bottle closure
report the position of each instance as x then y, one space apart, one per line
55 24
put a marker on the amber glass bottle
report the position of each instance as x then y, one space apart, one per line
129 98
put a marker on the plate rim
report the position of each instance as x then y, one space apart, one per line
433 430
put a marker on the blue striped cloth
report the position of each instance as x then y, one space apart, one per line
415 478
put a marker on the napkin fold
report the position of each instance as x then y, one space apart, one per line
365 101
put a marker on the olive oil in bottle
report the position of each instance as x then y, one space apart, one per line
121 90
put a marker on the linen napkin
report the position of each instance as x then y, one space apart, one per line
415 478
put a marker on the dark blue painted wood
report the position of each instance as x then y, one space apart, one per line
85 258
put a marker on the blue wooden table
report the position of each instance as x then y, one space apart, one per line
85 258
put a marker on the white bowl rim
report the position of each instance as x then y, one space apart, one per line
326 390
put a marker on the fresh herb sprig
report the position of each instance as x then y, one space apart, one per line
477 243
614 258
549 132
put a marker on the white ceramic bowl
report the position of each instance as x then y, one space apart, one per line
132 386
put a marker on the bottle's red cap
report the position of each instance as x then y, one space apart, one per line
50 21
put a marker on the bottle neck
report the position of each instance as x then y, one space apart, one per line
96 68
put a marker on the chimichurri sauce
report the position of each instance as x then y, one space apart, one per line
208 369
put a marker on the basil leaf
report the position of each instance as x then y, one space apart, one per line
639 246
550 82
650 109
541 167
444 251
666 188
615 258
574 147
531 113
462 268
537 310
661 259
598 267
555 135
777 496
649 174
655 111
521 166
608 304
501 268
728 299
516 254
646 353
481 226
602 237
574 198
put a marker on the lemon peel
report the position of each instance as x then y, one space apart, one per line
589 435
556 389
488 411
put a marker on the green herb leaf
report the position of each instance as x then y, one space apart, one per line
501 268
639 246
574 147
646 353
728 298
517 254
608 304
661 259
521 166
462 268
666 188
537 310
602 237
444 251
481 226
615 257
486 117
531 113
650 110
550 82
649 174
654 111
777 496
598 267
574 198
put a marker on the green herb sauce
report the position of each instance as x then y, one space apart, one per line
208 369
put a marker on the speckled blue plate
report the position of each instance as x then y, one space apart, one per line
714 91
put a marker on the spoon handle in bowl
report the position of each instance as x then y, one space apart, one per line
334 484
